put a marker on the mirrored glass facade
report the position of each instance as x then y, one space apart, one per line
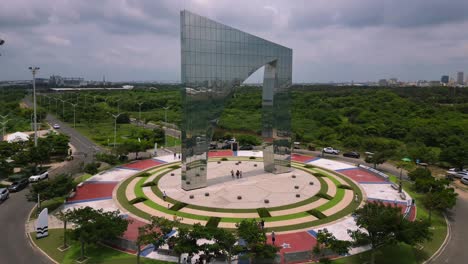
215 60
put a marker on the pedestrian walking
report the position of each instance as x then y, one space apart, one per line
273 237
164 195
262 223
232 173
175 155
237 174
356 198
179 156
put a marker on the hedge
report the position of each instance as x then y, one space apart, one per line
319 174
144 174
177 206
344 186
324 195
148 184
317 213
137 200
263 212
213 222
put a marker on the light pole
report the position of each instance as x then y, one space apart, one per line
4 122
118 105
165 124
139 113
115 127
74 114
63 108
34 70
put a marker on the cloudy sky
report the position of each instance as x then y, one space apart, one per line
332 40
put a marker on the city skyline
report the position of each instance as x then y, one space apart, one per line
135 40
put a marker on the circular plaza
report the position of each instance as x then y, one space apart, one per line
307 196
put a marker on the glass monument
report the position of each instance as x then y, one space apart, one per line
215 60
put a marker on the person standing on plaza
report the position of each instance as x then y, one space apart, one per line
164 195
232 173
273 237
262 224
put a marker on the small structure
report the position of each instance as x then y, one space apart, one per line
17 137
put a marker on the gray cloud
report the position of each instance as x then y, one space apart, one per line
139 39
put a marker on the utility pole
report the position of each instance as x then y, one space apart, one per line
34 70
165 125
115 127
139 113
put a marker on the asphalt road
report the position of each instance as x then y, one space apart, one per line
14 245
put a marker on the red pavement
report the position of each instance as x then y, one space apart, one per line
412 213
301 158
93 191
142 164
300 241
220 153
132 229
361 175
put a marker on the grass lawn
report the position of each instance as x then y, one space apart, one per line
82 178
97 254
51 205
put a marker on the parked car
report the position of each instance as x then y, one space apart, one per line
352 154
56 126
230 141
330 150
464 180
246 147
39 177
461 174
4 194
17 186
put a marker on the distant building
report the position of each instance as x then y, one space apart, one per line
59 81
460 78
383 82
444 79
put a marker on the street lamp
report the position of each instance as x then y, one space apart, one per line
34 70
115 127
165 124
63 108
139 113
74 114
4 122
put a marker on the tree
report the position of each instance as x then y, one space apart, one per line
64 217
224 243
379 157
456 155
123 118
255 239
184 242
155 232
93 226
327 243
59 186
386 225
439 199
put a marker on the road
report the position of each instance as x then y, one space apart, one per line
14 245
169 131
85 148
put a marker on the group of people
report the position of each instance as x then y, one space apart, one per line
237 174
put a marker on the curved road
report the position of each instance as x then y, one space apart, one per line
14 245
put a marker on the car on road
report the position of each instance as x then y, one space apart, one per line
330 150
39 177
352 154
464 180
4 194
461 174
17 186
56 126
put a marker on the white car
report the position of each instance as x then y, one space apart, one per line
464 180
39 177
330 150
56 126
4 194
461 174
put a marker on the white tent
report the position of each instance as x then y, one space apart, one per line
17 136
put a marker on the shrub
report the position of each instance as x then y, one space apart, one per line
319 174
144 174
107 158
177 206
324 195
308 166
263 212
224 159
137 200
213 222
148 184
174 167
252 157
316 213
344 186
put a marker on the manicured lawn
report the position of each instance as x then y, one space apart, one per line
82 178
51 205
98 254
